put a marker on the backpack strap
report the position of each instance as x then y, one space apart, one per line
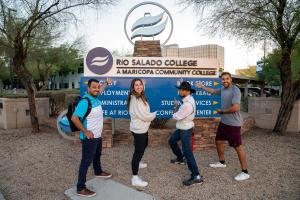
89 108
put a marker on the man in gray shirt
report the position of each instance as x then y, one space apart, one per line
230 126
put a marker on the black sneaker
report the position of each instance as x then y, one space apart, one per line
193 181
178 161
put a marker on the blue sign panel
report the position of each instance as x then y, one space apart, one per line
160 93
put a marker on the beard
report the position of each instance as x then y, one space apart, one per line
226 85
94 94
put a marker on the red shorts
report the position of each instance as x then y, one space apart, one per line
230 133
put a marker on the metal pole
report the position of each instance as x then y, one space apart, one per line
263 85
246 89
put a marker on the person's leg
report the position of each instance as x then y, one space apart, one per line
175 137
219 141
140 143
244 175
97 157
242 157
221 150
235 141
89 147
147 141
186 139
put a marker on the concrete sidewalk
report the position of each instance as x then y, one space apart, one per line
109 190
1 197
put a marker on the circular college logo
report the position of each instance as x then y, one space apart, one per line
99 60
140 23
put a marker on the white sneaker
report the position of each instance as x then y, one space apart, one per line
242 176
217 165
142 165
137 181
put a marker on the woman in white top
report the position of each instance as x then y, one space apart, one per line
140 119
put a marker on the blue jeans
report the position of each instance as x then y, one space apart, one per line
186 140
91 152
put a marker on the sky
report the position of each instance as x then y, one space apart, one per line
105 28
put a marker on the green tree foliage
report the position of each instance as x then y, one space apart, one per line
271 73
47 61
19 30
258 20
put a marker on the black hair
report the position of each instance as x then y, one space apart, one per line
91 81
226 73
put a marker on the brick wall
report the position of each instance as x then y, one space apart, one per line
157 137
205 132
149 48
107 134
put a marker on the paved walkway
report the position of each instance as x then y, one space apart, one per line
1 197
109 190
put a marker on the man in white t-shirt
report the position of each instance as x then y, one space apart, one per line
91 129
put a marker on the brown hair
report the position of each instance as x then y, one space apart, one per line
133 92
226 73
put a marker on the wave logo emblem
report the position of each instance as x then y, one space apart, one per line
148 25
99 60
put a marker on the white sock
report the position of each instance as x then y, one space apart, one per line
198 177
135 177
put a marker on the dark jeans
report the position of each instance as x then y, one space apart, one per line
186 139
140 144
91 152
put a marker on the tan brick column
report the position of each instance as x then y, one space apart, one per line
107 137
149 48
205 132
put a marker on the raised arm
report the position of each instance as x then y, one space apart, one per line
210 90
103 86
